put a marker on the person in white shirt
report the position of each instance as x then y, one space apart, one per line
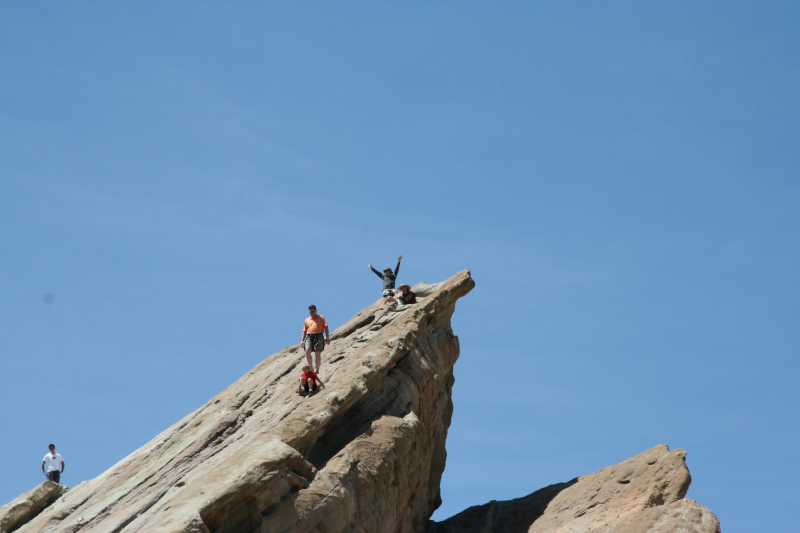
53 460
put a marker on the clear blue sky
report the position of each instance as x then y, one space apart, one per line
179 180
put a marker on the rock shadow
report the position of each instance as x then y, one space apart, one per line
511 516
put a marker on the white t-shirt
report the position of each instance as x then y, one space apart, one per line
53 461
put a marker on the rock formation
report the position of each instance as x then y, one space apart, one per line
364 455
26 506
641 495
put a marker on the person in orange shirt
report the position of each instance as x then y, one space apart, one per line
312 340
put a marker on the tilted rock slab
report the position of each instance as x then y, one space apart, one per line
644 494
366 454
25 506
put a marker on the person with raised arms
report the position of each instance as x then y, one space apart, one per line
388 278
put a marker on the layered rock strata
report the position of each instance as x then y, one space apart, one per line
644 494
365 454
24 507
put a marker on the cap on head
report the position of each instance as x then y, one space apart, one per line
312 306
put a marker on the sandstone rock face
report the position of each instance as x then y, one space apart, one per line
365 454
25 506
641 495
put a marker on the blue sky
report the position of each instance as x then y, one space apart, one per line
178 181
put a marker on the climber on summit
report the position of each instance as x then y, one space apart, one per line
402 295
308 381
405 295
313 327
388 278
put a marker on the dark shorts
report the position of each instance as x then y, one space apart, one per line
387 292
305 383
315 341
54 475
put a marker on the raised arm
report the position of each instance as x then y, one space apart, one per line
376 272
397 268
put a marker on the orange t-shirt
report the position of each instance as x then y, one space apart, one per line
315 325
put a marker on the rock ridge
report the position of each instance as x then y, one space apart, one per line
26 506
644 494
365 454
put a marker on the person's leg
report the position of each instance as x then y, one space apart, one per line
318 347
304 384
387 296
308 353
56 476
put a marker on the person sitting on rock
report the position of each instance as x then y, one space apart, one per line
405 295
388 278
402 294
308 382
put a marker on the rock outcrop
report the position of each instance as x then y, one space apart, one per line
27 505
644 494
365 454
